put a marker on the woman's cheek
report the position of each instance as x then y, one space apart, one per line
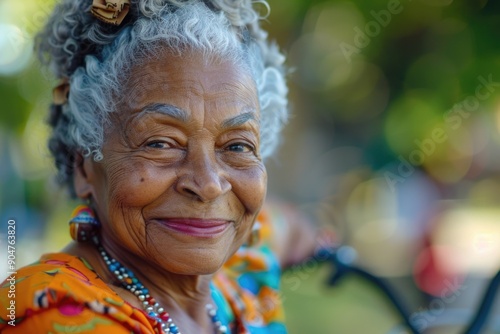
138 184
252 186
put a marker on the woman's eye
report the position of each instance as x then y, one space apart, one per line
158 144
240 147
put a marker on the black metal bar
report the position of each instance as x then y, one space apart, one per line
485 308
343 268
398 304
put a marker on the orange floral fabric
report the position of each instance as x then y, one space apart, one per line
61 293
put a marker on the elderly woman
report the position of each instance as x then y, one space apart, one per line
164 114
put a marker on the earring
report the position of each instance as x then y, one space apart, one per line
83 224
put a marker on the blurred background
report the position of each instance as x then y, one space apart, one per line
394 143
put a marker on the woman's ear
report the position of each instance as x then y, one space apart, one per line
83 177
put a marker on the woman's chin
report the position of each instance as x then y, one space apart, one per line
196 262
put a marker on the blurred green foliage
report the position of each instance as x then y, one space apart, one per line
409 68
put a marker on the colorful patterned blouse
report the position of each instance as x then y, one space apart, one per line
61 293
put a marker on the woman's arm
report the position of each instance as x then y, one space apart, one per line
295 237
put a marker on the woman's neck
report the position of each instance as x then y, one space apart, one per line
183 297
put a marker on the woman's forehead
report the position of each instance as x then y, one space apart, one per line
177 79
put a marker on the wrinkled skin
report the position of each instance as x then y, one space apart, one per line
184 147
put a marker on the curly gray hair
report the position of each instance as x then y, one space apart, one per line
95 56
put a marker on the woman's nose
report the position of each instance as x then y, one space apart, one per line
203 178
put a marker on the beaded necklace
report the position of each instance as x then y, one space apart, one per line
130 282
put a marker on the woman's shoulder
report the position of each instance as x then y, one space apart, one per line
61 290
258 255
53 277
249 282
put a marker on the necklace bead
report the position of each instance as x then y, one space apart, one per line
149 304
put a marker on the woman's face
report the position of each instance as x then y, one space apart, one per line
181 181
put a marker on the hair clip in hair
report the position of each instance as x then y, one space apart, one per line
61 92
110 11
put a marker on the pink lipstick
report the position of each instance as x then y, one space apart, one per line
196 227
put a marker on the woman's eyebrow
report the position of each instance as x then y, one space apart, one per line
181 115
239 120
166 109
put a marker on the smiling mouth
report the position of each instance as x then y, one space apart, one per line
196 227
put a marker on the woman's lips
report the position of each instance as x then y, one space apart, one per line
196 227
